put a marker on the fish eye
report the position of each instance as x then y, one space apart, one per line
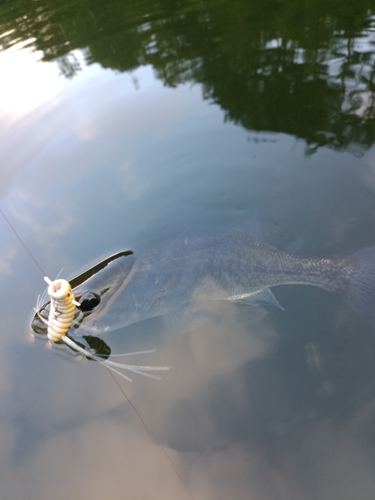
89 300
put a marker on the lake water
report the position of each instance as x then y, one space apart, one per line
123 121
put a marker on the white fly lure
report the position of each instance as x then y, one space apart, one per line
60 318
61 310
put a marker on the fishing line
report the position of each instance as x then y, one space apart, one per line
174 466
22 243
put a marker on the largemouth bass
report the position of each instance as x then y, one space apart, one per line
165 276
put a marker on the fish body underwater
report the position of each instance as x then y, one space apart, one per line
166 275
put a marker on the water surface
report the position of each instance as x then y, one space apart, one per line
122 121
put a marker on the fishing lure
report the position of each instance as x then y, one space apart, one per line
62 309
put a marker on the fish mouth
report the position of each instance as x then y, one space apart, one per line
90 300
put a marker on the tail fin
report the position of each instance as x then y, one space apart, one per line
360 290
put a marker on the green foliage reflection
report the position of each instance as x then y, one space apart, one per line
303 68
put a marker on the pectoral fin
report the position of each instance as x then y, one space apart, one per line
262 298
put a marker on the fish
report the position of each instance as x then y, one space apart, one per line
165 276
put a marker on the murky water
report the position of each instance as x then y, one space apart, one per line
122 121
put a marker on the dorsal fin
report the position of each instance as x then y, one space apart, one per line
249 225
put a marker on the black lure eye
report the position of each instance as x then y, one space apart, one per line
89 300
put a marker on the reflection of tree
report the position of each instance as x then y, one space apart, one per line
303 69
68 65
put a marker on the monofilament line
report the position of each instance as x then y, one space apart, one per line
22 243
